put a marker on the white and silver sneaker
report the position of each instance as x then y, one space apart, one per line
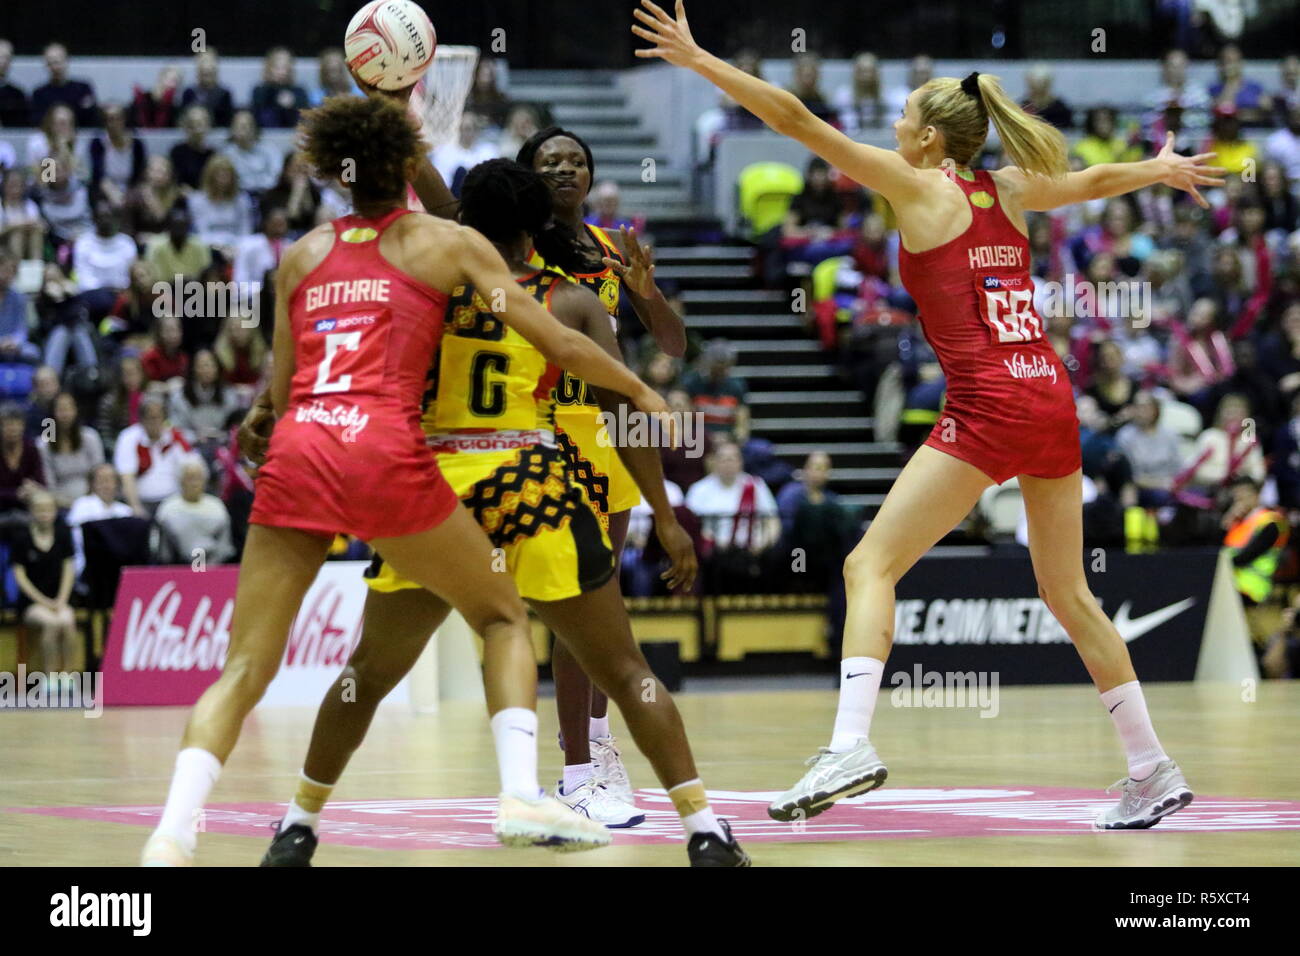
599 803
545 822
164 850
609 770
834 776
1144 803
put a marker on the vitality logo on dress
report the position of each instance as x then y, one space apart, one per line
1033 367
347 417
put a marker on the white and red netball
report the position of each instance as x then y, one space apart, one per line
390 43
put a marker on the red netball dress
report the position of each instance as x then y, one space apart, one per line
349 456
1010 406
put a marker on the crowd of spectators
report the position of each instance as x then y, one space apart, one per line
121 390
760 526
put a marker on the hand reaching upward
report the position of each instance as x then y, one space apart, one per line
671 38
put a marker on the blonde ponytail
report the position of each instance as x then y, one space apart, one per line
1030 143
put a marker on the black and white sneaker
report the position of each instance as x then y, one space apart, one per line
292 846
705 849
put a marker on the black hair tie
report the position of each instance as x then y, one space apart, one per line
971 85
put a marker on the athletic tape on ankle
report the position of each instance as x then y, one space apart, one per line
312 796
689 797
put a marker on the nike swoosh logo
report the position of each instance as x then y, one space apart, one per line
1112 710
851 676
523 731
1132 628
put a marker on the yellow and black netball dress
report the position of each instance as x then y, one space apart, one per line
598 467
490 418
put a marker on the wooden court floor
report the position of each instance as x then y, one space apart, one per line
1045 737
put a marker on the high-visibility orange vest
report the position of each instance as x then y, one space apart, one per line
1255 580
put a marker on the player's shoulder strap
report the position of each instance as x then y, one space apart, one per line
606 242
543 283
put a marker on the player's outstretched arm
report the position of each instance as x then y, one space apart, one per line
878 169
485 269
578 308
1114 179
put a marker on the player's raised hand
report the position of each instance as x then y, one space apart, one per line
402 96
639 271
680 549
1188 172
671 37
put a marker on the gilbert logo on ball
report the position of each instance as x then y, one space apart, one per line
390 43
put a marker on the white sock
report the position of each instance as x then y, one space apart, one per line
295 814
1128 709
599 727
859 685
196 772
514 730
704 821
575 775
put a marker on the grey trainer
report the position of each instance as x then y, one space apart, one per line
1144 803
833 776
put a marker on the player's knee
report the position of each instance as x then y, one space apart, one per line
373 678
509 618
863 566
626 684
1069 601
246 678
620 676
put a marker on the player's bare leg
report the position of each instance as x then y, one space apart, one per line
396 626
278 568
934 492
491 605
590 751
1155 787
598 631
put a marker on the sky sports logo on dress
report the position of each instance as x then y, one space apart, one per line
338 325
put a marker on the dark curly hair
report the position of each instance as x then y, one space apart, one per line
364 141
528 152
501 198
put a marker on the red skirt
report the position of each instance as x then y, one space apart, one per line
1003 448
350 474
